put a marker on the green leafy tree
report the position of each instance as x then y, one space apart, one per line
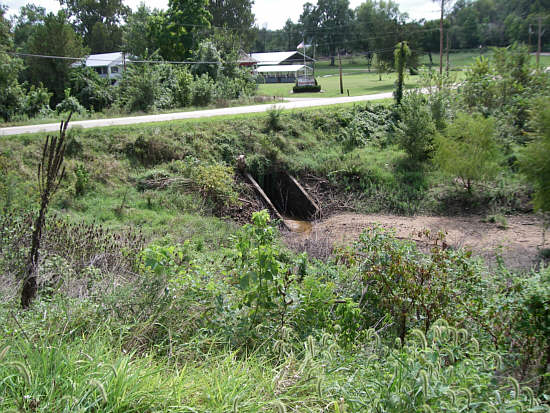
235 16
142 32
378 26
56 37
330 23
11 95
468 149
208 53
183 21
91 90
98 22
402 53
416 129
535 160
25 23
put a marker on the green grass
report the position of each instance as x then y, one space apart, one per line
357 83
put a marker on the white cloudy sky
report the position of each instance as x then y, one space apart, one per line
274 13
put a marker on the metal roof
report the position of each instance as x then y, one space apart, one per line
281 68
275 58
104 59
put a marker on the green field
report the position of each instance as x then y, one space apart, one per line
359 80
357 83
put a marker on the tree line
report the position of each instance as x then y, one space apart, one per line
220 30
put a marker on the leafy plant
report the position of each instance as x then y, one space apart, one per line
416 128
468 149
82 179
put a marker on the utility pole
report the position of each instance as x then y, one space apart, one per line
441 37
539 48
447 52
341 80
530 33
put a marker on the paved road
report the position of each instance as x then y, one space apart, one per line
293 103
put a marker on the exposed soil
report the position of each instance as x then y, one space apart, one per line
519 243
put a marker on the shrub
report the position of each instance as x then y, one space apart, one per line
37 101
534 159
91 90
207 52
203 90
306 88
82 179
183 93
69 104
416 128
468 149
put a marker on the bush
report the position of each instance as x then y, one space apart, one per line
416 128
468 149
91 90
203 90
183 93
37 101
207 52
535 158
306 88
69 104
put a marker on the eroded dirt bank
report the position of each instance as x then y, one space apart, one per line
519 243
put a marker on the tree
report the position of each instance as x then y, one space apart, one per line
379 27
142 32
330 22
30 16
416 131
235 15
207 52
56 37
98 22
535 159
402 53
468 149
183 21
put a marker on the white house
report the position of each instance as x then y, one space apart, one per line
108 65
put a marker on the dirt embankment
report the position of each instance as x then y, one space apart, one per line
519 243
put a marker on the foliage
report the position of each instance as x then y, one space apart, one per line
401 55
92 91
36 101
306 88
405 287
55 37
534 160
468 150
99 23
69 105
371 125
11 94
183 20
183 93
203 90
416 128
82 179
208 53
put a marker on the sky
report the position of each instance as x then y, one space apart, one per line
272 13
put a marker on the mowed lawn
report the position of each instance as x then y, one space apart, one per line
358 83
359 80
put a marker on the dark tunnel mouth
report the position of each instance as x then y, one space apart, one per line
287 195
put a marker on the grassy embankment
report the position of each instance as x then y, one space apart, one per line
175 323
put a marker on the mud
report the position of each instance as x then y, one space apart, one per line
519 243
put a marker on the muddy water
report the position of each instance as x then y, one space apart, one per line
296 225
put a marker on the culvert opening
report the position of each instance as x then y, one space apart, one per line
288 199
